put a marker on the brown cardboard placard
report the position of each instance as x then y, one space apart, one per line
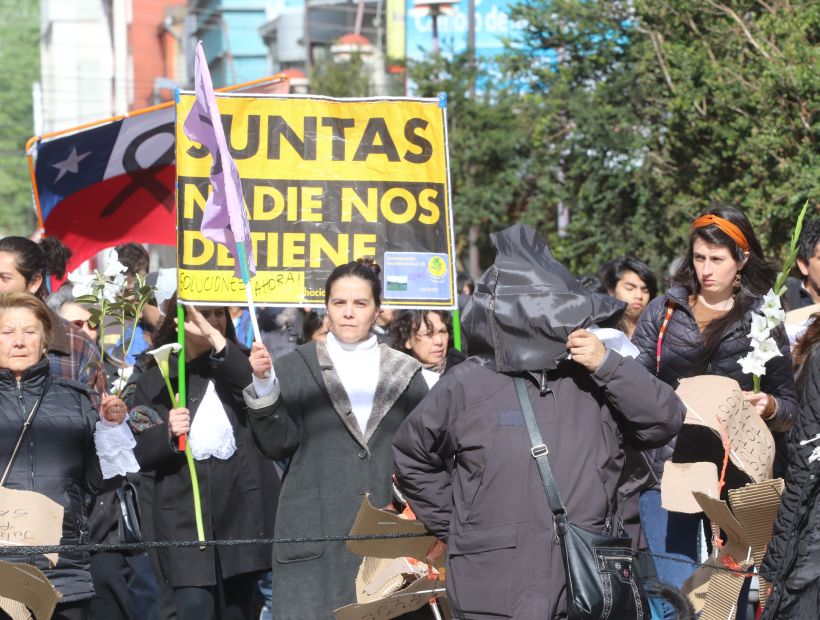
681 480
748 527
30 518
371 521
23 588
413 597
717 403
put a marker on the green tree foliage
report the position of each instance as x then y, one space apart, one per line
346 78
19 67
489 150
644 113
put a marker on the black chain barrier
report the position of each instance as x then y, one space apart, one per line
17 550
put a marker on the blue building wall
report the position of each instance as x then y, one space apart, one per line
229 31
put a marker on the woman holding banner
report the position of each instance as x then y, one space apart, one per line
238 487
332 409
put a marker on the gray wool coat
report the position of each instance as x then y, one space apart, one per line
308 418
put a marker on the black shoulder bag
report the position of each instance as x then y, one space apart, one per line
601 580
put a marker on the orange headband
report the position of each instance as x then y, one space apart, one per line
726 226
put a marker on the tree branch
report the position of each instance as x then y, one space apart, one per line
657 43
746 32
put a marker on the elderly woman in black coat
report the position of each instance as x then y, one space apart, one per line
238 490
55 454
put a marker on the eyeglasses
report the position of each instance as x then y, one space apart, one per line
79 322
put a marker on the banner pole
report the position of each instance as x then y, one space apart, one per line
457 330
246 278
184 445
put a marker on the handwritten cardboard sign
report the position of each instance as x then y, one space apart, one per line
28 519
413 597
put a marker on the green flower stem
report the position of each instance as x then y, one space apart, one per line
756 384
200 531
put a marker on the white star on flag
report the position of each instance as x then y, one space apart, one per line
70 163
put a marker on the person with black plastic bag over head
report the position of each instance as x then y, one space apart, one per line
527 315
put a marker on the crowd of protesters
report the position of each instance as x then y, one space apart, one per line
332 404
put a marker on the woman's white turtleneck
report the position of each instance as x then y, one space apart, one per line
358 368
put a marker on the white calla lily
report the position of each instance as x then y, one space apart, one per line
161 355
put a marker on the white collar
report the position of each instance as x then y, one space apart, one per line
356 349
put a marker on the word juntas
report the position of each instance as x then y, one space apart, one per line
376 139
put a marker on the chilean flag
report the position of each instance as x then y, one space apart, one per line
112 183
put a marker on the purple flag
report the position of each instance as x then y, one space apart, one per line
225 219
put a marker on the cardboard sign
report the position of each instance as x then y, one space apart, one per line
29 518
748 527
717 403
373 522
325 181
413 597
25 592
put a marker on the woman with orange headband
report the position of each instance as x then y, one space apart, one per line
700 326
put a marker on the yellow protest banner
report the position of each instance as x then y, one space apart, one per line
325 181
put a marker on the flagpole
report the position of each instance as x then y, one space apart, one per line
184 444
246 278
457 330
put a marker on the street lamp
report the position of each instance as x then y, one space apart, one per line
434 8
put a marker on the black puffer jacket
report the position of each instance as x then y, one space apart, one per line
679 352
791 558
57 459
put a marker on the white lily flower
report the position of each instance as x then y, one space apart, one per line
111 291
751 365
123 375
113 266
83 284
760 328
161 355
764 350
774 317
772 309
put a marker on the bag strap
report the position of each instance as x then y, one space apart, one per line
538 449
26 424
670 308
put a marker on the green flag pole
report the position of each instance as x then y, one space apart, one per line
183 439
457 329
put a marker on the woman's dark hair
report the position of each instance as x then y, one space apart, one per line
311 324
407 322
134 257
167 331
756 276
49 257
804 345
36 306
365 268
612 272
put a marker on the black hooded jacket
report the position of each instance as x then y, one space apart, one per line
463 456
57 459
